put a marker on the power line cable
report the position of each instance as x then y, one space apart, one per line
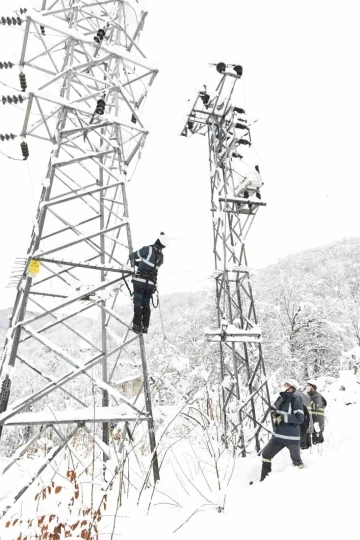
8 86
9 157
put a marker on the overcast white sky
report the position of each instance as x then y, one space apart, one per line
301 80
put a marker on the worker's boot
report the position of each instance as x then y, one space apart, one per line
321 437
136 326
146 320
266 469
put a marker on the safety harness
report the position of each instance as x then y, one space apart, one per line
151 275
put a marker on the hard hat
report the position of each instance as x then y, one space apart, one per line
292 383
163 239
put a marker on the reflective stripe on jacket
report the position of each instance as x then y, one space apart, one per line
147 259
141 281
317 410
291 410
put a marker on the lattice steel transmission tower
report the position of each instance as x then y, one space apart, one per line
92 80
235 200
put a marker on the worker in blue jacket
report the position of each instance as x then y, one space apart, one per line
148 259
287 415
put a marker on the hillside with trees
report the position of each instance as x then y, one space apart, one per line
308 306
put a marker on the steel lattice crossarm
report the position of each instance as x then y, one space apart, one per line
235 200
92 80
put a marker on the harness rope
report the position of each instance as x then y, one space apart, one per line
157 297
162 322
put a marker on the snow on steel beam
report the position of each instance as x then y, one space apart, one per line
239 200
48 378
22 404
70 300
74 416
62 322
86 265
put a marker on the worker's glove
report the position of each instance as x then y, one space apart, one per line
278 419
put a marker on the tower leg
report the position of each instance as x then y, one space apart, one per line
148 406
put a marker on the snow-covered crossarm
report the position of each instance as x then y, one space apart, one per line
242 201
76 416
233 334
242 268
233 274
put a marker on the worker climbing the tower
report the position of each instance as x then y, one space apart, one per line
287 415
148 259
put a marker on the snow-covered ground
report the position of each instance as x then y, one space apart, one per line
321 499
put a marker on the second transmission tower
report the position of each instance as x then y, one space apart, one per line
235 200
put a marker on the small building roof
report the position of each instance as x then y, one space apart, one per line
129 378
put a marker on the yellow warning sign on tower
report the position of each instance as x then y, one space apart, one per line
34 268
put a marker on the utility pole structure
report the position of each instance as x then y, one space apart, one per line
235 200
94 79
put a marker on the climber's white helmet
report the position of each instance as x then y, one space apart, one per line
163 239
